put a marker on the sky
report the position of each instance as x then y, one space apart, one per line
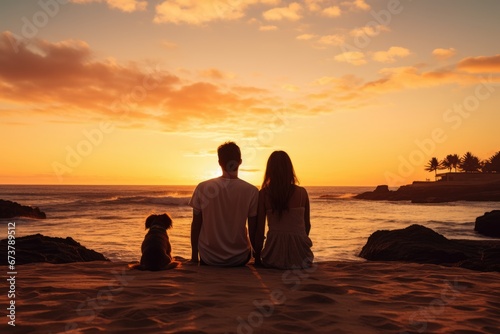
357 92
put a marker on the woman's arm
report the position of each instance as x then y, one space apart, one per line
307 213
260 227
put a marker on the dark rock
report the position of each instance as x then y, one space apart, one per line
39 248
419 244
381 193
435 192
9 209
382 189
489 224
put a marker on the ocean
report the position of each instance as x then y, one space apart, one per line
110 219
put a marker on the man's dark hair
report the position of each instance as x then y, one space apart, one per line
229 156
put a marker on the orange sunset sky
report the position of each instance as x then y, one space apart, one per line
358 92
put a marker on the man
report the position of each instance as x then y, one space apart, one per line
221 208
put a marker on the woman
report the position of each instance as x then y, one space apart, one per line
286 207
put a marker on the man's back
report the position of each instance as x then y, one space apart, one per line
225 204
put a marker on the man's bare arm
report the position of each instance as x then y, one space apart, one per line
195 234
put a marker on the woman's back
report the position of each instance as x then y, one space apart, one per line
288 244
285 206
297 215
291 221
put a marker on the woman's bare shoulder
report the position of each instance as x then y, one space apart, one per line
301 190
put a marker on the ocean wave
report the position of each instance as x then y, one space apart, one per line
144 200
109 217
165 200
336 196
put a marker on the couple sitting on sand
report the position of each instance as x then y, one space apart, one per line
222 206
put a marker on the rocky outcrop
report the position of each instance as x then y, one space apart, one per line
39 248
489 224
435 192
9 209
420 244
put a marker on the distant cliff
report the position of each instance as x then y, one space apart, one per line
9 209
435 192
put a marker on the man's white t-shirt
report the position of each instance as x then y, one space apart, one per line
225 205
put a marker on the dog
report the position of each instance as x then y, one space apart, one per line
156 249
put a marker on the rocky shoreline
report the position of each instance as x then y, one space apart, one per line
9 209
419 244
39 248
435 192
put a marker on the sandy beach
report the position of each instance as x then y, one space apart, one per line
331 297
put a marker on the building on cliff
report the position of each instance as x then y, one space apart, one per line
468 178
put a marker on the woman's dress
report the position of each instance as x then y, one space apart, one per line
287 244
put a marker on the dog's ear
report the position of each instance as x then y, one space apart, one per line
150 220
166 221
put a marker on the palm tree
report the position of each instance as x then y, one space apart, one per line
494 162
451 161
455 161
470 163
486 166
432 166
446 163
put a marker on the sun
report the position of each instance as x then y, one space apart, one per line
213 173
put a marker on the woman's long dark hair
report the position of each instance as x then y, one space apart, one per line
279 180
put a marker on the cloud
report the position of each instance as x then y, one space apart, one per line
344 84
369 30
360 35
253 20
481 64
324 81
250 170
65 80
216 74
352 57
292 13
313 5
196 12
123 5
352 92
333 11
290 88
305 37
356 5
340 92
391 55
201 12
411 77
268 28
443 54
204 153
329 40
